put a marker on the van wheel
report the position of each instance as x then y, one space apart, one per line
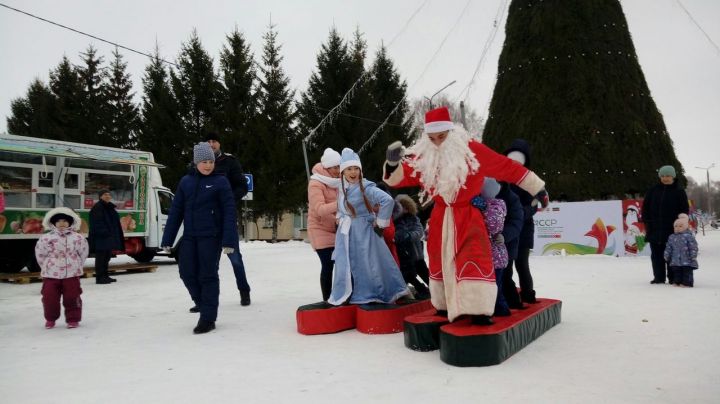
146 255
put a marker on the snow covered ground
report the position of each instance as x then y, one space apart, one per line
621 340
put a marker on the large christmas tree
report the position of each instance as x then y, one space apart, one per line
569 82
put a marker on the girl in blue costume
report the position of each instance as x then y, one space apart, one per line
365 270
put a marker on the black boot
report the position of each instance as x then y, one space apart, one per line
481 320
104 281
528 297
204 326
194 309
441 313
244 298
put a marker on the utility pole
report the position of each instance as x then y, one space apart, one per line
709 198
438 92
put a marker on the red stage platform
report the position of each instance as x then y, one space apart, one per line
464 344
322 318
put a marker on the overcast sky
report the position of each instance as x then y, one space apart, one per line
681 65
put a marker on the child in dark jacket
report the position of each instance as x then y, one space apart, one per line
681 253
409 235
204 203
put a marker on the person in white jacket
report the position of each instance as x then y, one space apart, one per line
61 254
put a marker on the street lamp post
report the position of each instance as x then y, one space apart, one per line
438 92
707 174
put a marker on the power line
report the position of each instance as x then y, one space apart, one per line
86 34
372 137
328 118
488 43
357 117
699 27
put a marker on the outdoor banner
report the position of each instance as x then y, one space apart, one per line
634 228
580 228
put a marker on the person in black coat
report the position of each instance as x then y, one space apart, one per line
661 206
227 165
105 236
409 234
519 151
514 219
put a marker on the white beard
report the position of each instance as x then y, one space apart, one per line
443 169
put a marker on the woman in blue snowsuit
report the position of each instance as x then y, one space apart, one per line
205 205
365 270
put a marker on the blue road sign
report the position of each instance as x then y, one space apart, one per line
249 179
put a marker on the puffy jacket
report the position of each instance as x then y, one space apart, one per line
322 205
661 206
409 234
681 250
514 219
527 234
106 233
206 206
229 166
61 253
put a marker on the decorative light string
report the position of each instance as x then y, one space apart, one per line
373 136
330 117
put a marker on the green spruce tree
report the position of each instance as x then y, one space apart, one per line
161 127
93 127
67 87
279 178
239 101
123 118
570 83
35 114
338 68
387 90
197 90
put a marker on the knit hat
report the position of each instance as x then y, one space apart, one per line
490 188
683 221
438 120
202 152
666 171
349 159
102 192
330 158
212 136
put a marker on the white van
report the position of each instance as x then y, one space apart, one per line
40 174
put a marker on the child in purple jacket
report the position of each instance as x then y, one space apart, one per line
681 253
494 211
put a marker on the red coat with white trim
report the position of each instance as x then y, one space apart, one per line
472 252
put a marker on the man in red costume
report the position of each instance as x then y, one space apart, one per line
450 168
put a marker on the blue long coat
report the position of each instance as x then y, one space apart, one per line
365 270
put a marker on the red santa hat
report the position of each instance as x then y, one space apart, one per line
438 120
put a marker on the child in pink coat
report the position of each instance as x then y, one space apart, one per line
61 254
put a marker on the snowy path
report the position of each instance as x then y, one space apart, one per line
135 343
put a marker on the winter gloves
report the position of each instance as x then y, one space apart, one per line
479 202
543 197
394 153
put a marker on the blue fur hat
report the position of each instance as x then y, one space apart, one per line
490 188
349 158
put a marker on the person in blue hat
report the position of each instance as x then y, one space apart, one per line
661 206
365 270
